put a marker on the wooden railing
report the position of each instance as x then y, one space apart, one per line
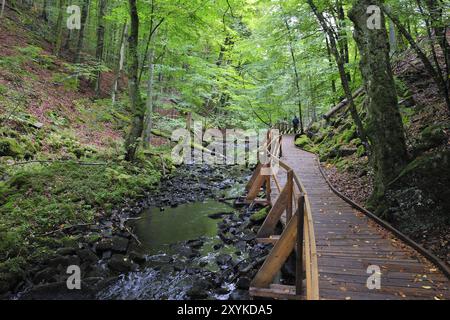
284 127
293 208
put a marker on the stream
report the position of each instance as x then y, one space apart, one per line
183 251
181 241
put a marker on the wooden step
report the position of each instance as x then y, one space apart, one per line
276 291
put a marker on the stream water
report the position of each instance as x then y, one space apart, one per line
181 245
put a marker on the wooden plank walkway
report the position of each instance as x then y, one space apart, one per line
348 242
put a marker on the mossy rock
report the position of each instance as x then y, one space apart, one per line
10 148
305 143
260 215
436 164
432 136
348 135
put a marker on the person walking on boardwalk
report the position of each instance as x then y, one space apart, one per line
295 122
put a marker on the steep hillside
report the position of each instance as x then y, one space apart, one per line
61 157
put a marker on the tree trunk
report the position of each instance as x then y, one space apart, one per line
344 79
59 28
437 77
44 14
137 106
297 77
384 123
84 15
333 82
100 42
150 84
436 9
392 38
120 63
342 32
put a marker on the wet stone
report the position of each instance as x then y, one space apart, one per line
106 255
137 257
195 243
243 283
66 251
45 275
120 263
87 255
223 259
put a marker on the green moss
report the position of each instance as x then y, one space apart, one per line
260 215
432 136
348 135
305 143
62 194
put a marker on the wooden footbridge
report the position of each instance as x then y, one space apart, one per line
341 250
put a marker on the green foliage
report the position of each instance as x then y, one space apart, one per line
69 82
33 54
3 89
66 143
86 71
36 55
10 147
361 151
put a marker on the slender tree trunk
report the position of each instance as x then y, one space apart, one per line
344 79
436 9
333 82
2 10
44 14
342 32
384 124
150 85
392 38
84 15
439 30
59 28
120 63
137 106
437 77
297 77
312 95
100 41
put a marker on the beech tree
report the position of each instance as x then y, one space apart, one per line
137 105
384 124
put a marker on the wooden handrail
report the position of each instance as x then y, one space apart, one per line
298 234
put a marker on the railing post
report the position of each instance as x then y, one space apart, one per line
268 189
281 145
299 257
290 186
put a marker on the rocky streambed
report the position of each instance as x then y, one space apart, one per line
180 242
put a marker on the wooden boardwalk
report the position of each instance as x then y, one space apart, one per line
348 242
